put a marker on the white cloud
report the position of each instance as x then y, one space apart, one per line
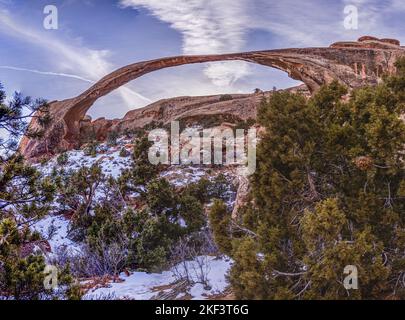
90 63
82 63
207 27
222 26
47 73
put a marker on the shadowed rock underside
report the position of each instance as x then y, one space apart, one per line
353 64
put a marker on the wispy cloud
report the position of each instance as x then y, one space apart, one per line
47 73
207 27
82 63
222 26
217 26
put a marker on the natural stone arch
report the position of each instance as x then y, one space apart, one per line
312 66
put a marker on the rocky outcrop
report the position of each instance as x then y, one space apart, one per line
204 111
354 64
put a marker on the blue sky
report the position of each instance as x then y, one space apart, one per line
97 36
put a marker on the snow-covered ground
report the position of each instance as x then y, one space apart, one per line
55 231
109 159
142 286
138 285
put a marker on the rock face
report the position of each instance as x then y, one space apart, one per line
354 64
204 111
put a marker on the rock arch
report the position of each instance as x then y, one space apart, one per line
354 64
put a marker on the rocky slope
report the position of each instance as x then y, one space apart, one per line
203 111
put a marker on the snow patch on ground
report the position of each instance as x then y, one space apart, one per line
55 230
180 176
140 285
110 161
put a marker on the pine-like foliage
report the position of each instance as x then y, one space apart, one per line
329 191
14 116
25 197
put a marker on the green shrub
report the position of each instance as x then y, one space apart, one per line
220 218
91 150
124 153
62 159
225 97
112 137
192 212
328 196
22 278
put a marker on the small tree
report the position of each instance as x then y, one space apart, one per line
328 192
225 97
219 218
112 137
62 159
124 153
77 193
14 117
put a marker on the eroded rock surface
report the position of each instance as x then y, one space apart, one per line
354 64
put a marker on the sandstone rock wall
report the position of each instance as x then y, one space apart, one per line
354 64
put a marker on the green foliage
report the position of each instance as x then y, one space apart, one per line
220 218
22 278
155 238
112 137
248 270
14 116
192 212
22 190
62 159
124 153
328 192
167 217
25 197
225 97
141 171
199 190
205 190
76 193
91 149
161 197
102 225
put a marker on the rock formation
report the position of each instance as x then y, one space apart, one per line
354 64
203 111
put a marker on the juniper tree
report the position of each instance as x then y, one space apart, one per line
219 218
25 196
14 117
328 192
141 171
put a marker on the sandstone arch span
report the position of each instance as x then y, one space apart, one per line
354 64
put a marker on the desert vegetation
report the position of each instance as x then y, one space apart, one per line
328 192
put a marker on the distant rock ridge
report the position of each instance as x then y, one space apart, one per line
187 110
353 64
